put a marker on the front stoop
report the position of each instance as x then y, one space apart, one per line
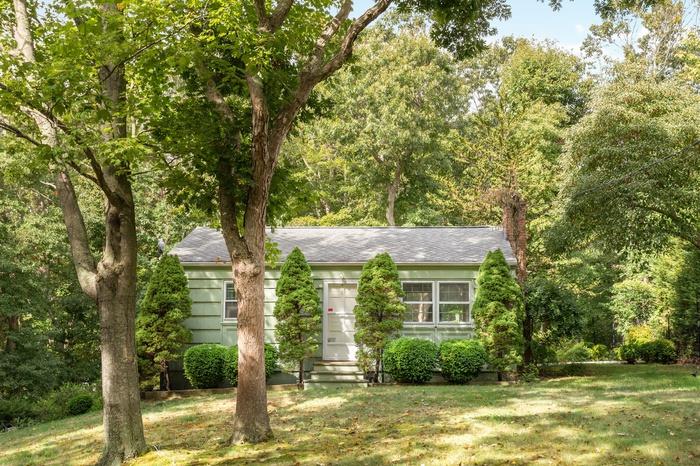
335 374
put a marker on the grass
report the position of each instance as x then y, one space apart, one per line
615 415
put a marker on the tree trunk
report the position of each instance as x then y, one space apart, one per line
515 229
392 194
251 422
116 301
12 327
301 374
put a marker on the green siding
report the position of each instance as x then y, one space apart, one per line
206 287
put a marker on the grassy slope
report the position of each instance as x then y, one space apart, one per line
620 415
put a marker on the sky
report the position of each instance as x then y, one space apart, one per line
535 19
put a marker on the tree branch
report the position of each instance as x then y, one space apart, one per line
19 133
77 235
279 14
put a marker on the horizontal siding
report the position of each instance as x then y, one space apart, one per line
206 289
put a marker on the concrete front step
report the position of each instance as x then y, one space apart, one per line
336 367
313 385
337 376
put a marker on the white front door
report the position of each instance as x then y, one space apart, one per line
339 322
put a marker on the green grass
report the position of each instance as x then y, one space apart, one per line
614 415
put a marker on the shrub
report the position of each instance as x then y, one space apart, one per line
79 404
628 352
461 360
14 411
499 311
298 312
204 365
661 350
230 370
410 360
56 404
379 312
576 352
600 352
530 373
160 332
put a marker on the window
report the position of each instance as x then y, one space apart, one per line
230 303
419 298
454 302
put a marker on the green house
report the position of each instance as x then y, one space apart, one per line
437 267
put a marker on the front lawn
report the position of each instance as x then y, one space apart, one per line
616 415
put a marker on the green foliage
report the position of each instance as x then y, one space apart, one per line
56 405
230 370
297 311
633 303
660 350
410 360
160 332
379 312
647 128
30 369
685 301
204 365
499 312
628 352
555 315
79 404
635 338
600 352
15 411
574 352
530 373
461 360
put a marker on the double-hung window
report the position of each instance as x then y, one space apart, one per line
453 302
418 296
230 302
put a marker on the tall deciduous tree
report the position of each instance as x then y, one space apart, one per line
160 333
250 68
499 312
379 313
298 312
80 127
632 167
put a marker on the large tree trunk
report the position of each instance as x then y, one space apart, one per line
392 194
116 299
251 422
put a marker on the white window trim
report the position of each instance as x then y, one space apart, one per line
224 301
420 324
469 303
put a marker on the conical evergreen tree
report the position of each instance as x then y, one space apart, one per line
160 334
379 313
298 312
499 312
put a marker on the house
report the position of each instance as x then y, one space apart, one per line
437 267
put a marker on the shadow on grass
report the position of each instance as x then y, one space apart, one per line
624 415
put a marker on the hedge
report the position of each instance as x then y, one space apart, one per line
410 360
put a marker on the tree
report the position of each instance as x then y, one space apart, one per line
633 303
80 127
160 333
499 312
382 144
379 312
554 313
685 316
246 71
632 167
298 312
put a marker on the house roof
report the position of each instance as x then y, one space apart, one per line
355 245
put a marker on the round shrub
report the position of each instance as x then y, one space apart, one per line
661 350
600 352
578 352
79 404
628 352
461 360
410 360
204 365
231 363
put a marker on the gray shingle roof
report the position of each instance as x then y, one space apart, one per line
353 245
